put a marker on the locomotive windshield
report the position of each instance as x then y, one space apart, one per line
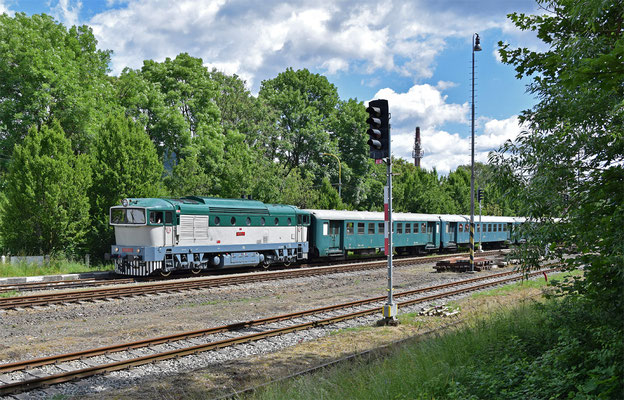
123 216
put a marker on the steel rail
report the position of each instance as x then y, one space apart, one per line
196 284
62 284
81 373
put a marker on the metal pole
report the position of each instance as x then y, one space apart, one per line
472 163
390 309
339 172
480 229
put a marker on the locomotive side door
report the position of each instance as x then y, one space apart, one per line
169 230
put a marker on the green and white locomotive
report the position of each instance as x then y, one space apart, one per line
196 233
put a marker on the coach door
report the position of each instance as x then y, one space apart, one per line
334 234
452 232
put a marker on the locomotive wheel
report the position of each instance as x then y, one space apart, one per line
196 271
266 264
287 263
165 274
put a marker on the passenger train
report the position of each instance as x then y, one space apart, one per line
157 236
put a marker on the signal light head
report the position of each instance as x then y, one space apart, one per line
379 129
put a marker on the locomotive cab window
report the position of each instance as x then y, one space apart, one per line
233 220
156 217
168 217
289 221
276 221
127 216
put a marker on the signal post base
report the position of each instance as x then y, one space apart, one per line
389 313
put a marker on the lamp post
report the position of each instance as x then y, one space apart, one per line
339 173
476 46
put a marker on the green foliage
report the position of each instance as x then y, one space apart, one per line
45 207
568 164
305 106
125 164
49 72
173 100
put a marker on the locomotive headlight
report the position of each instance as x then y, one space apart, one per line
138 250
116 249
125 202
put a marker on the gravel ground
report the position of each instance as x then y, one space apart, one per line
67 328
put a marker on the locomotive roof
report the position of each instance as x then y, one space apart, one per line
204 205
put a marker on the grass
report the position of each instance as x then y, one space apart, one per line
429 369
50 268
502 357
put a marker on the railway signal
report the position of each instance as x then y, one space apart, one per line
378 129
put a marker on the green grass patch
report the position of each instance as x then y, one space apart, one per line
536 351
527 284
10 293
51 268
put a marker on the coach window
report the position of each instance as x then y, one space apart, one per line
399 227
371 228
350 228
408 228
276 221
360 228
262 221
461 227
489 227
380 228
248 221
478 227
495 227
423 228
217 221
325 228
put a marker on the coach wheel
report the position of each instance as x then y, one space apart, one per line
196 271
165 273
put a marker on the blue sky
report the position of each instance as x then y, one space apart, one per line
415 53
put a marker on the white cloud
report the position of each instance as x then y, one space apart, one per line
425 106
263 38
67 12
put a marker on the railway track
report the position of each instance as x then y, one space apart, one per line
63 284
20 302
27 375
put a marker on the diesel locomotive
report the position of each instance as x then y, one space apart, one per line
158 236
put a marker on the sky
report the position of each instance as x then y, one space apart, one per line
417 54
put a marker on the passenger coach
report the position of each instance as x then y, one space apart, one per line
335 233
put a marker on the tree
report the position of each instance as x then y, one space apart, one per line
567 169
45 206
125 164
174 100
50 73
305 106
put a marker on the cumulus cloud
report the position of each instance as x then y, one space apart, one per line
426 106
263 38
67 12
